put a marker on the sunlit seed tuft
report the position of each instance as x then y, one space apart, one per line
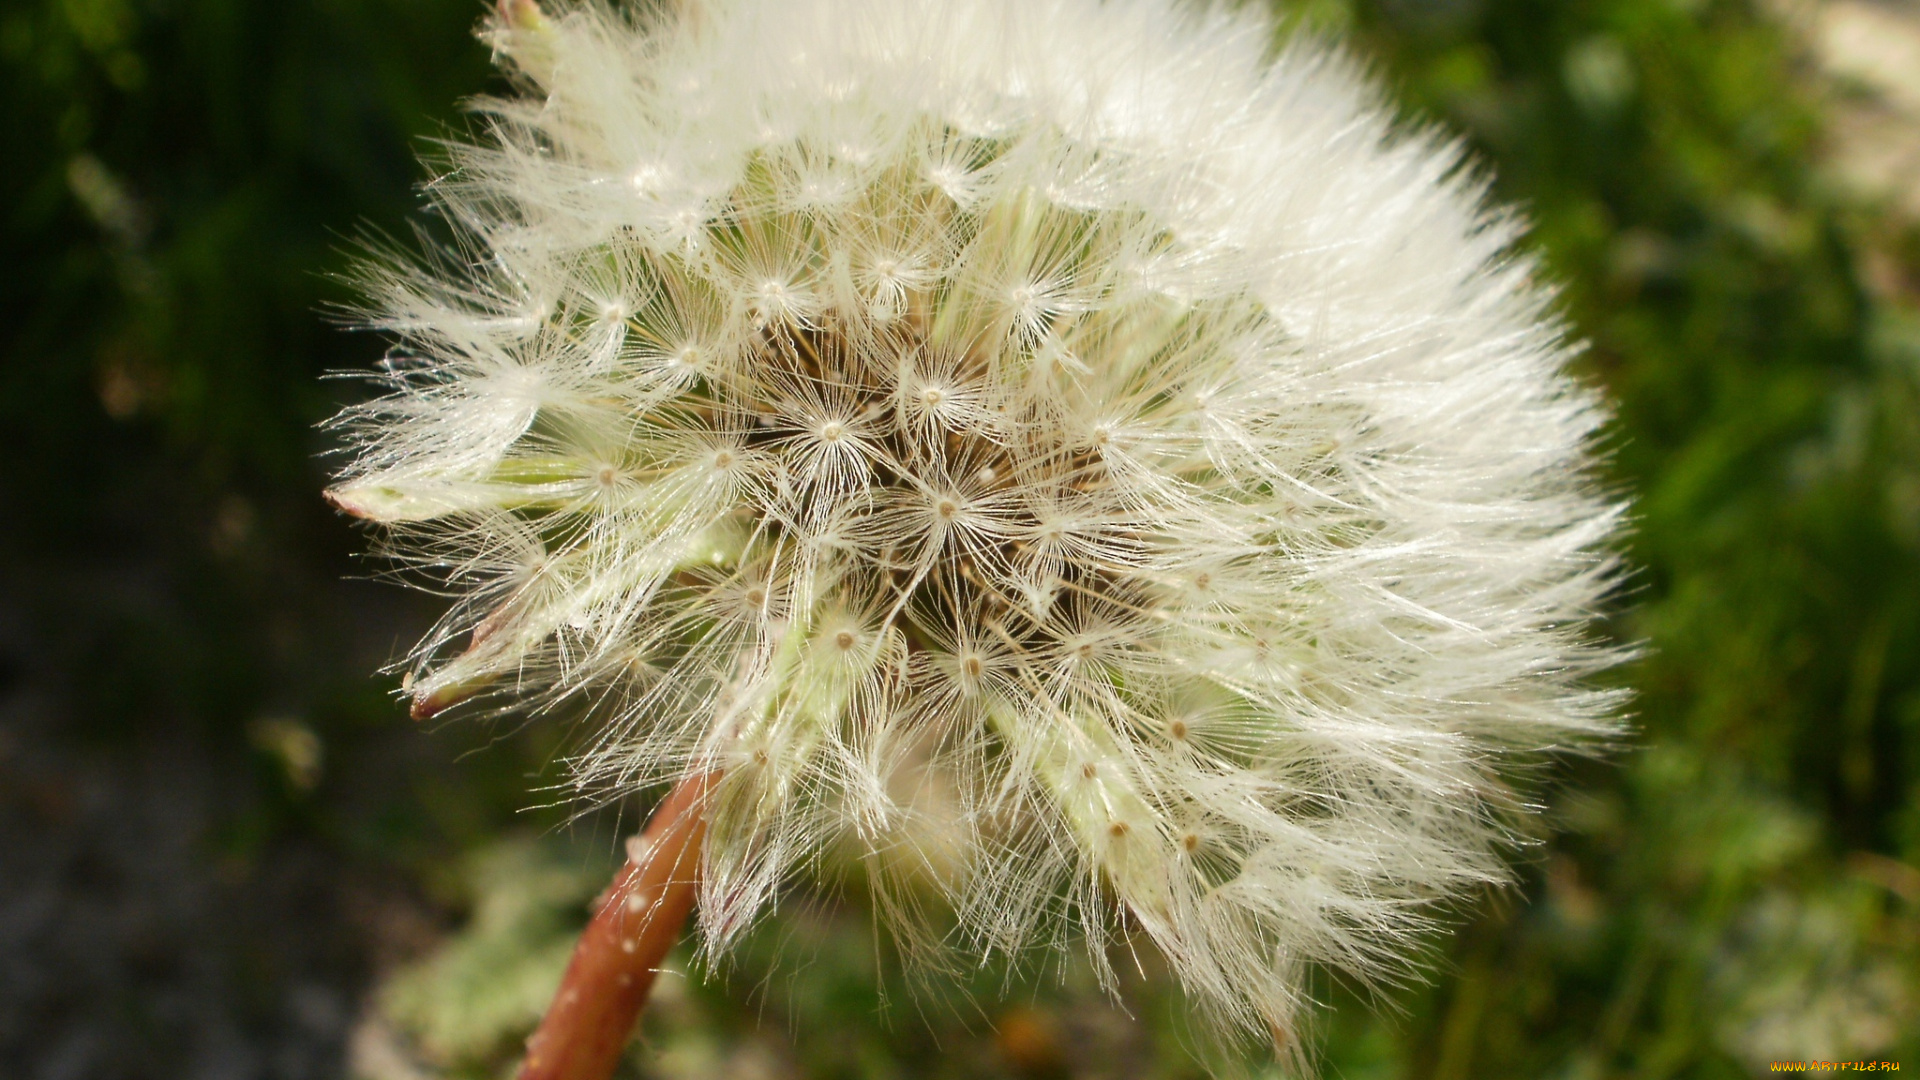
1070 407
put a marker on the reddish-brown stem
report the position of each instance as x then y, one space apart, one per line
634 923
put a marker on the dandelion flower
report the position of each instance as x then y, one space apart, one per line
1070 408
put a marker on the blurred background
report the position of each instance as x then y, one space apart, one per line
226 853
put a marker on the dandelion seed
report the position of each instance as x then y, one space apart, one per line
1147 431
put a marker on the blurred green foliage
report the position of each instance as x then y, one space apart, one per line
1738 885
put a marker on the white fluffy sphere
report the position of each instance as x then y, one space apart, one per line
1058 450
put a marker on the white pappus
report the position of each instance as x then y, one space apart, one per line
1061 452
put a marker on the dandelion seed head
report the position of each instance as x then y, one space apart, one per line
1137 434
